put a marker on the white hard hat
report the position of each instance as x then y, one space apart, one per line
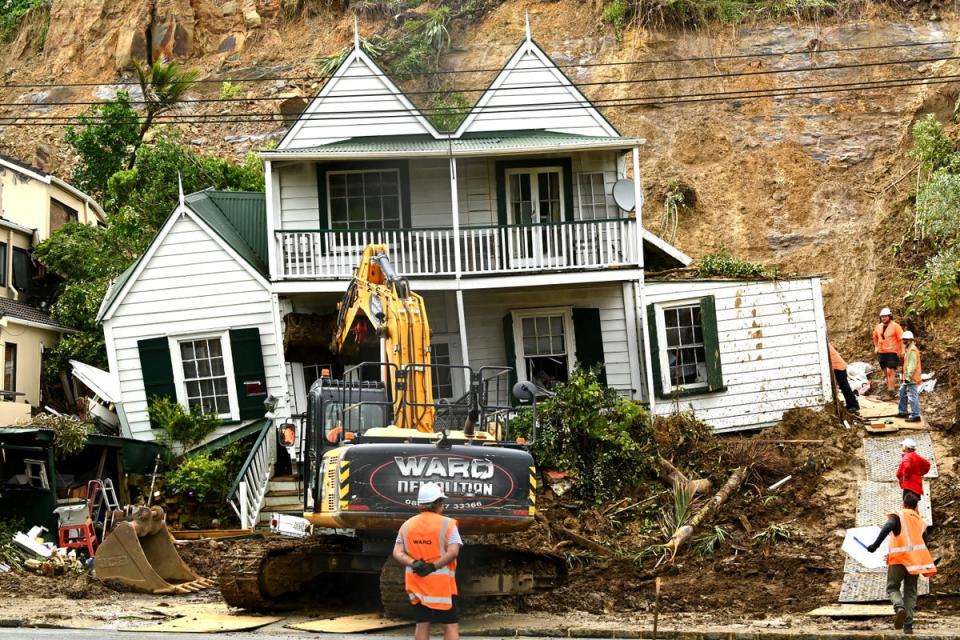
908 335
885 312
909 443
429 493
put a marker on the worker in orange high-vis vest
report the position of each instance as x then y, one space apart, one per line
888 344
907 559
912 376
839 366
428 545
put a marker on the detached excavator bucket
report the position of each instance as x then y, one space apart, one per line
139 553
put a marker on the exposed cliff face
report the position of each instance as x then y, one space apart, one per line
802 182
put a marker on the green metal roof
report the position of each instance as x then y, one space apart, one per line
239 217
470 144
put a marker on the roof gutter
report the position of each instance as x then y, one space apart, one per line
7 224
38 325
319 154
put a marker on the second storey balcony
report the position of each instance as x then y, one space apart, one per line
483 250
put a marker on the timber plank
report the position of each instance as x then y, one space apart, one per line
351 624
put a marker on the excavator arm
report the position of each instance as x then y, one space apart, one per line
399 318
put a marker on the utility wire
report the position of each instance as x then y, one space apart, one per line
515 110
637 101
767 54
390 95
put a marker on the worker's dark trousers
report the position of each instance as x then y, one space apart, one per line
897 574
849 397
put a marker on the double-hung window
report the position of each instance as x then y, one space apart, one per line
685 347
204 377
544 343
364 199
592 193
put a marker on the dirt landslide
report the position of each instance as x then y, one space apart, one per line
771 545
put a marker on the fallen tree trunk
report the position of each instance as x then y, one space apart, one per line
684 533
669 473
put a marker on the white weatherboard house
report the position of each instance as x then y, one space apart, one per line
508 229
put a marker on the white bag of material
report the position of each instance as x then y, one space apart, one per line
927 386
855 545
858 376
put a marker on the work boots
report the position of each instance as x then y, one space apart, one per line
899 617
908 628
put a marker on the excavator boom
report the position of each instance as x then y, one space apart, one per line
398 317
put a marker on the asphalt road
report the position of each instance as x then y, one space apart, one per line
98 634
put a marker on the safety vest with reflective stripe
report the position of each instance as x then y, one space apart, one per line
425 538
888 338
908 548
915 378
837 363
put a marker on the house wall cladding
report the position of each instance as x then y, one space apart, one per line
359 102
485 311
191 285
430 200
773 350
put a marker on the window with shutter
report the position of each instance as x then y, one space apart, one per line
544 345
251 380
685 347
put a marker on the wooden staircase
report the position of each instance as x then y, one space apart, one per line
282 496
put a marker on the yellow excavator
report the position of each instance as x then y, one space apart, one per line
366 446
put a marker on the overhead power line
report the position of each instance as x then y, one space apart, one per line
712 58
390 95
554 109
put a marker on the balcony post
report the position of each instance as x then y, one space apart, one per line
457 269
273 208
641 289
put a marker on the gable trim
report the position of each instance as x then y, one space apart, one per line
530 46
666 247
107 313
356 55
181 211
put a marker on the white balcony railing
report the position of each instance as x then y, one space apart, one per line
505 249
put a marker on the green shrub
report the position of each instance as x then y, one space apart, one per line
12 13
448 110
616 12
230 90
722 263
200 476
587 429
180 425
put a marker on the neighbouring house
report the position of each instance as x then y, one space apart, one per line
507 227
33 204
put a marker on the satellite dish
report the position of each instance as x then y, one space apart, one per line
623 195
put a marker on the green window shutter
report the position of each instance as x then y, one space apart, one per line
711 343
157 369
248 372
589 339
509 348
654 351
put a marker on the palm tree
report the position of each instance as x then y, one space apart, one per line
163 84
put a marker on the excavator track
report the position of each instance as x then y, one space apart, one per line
261 576
271 574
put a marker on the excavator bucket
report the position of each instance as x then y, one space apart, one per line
139 554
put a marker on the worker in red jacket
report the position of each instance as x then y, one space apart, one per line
913 467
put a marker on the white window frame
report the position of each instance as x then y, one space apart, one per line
609 207
339 172
534 190
447 340
665 383
178 378
569 341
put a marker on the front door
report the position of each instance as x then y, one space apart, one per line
536 204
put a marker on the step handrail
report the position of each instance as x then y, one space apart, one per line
252 479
